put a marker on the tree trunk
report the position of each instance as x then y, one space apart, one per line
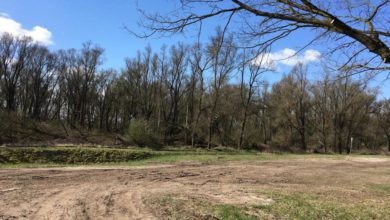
339 143
243 127
303 140
388 141
211 122
210 132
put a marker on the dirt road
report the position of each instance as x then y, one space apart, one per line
120 193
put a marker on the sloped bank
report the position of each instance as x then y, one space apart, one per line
69 155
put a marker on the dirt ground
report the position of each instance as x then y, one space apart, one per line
123 192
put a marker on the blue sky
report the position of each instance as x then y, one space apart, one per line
72 22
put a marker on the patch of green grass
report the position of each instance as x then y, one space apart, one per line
229 212
285 206
382 188
212 157
305 206
179 207
206 158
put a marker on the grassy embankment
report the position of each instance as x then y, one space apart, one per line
92 156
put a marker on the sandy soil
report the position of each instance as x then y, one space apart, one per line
119 193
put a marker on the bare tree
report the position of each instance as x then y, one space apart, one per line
199 63
175 83
80 81
292 103
14 52
250 74
355 27
222 54
41 75
321 109
350 105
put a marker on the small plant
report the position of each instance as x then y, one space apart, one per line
142 135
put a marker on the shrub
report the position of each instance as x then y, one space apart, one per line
3 159
140 134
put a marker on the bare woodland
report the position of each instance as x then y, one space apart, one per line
212 93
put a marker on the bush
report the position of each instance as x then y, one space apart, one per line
3 159
140 134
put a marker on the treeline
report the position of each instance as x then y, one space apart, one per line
200 95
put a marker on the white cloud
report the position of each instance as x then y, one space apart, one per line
38 34
2 14
287 56
312 55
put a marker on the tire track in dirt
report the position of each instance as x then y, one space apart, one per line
96 201
64 193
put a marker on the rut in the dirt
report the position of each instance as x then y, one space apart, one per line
74 193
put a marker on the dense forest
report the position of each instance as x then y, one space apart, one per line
204 95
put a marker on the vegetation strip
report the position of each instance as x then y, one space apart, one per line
69 155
